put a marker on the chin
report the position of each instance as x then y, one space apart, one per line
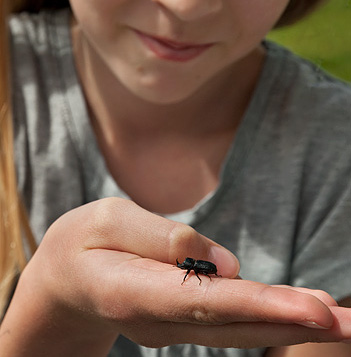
163 98
161 94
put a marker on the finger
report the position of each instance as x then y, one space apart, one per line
320 294
241 334
122 225
152 290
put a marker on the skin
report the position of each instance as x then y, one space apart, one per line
314 349
232 29
107 268
134 96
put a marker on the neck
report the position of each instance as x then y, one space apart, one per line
176 150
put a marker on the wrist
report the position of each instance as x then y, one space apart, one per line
41 325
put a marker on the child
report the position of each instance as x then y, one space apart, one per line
178 106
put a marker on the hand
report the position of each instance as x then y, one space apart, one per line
109 267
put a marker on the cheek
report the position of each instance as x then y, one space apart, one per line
257 17
96 19
96 14
103 6
268 12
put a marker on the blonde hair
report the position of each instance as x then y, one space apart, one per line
13 220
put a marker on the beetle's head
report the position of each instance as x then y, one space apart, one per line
187 264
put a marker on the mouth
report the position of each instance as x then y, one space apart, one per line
172 50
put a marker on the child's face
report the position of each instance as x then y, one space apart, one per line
165 50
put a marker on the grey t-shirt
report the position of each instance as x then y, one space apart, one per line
283 205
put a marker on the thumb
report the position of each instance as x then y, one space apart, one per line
122 225
186 242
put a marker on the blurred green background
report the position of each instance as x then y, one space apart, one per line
324 37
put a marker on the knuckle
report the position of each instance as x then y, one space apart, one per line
106 208
97 221
91 224
105 214
181 233
183 239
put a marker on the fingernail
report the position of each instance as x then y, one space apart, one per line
227 264
312 324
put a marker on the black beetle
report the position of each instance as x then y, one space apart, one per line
199 266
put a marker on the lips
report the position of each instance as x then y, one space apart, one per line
171 50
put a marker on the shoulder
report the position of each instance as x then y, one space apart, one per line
37 32
41 63
301 77
308 97
28 26
38 42
306 121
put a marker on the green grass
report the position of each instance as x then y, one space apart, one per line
323 37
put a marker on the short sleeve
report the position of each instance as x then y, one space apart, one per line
322 256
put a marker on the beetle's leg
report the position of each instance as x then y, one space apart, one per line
198 277
218 275
187 272
204 273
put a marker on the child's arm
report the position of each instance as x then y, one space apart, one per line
109 267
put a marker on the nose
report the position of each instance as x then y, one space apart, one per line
188 10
